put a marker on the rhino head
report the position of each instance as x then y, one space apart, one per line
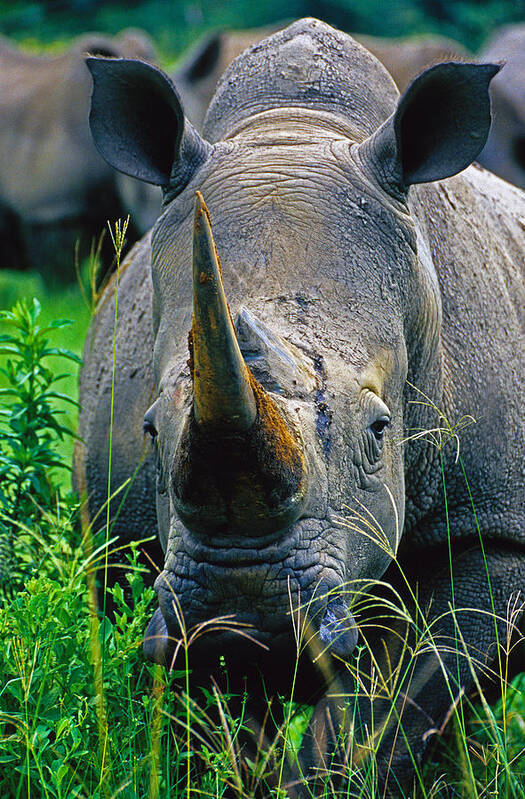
286 337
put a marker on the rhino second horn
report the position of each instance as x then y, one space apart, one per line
222 391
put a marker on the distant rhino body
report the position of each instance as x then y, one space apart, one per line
406 58
357 304
504 152
54 186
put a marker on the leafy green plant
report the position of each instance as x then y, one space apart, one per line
30 428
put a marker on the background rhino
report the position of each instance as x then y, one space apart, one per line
504 152
406 58
54 186
360 307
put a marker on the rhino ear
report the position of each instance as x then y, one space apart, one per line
138 123
439 127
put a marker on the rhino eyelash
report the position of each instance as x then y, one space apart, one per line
379 414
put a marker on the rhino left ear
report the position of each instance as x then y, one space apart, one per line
138 123
439 127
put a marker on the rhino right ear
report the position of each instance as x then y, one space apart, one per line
439 127
138 123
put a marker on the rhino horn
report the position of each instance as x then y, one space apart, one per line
236 442
222 389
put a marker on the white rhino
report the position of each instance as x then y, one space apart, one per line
367 287
197 76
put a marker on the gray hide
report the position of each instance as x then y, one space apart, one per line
54 186
368 309
504 153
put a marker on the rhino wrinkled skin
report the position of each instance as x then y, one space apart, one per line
197 76
361 303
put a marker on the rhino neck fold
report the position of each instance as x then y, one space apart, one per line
293 125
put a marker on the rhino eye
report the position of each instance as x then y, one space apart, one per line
379 426
148 426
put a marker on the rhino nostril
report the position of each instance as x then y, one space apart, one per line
518 148
149 425
338 629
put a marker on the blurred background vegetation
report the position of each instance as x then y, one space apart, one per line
176 24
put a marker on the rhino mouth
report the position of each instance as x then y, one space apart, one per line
240 551
252 599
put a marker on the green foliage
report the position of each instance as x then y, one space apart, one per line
29 429
57 301
49 711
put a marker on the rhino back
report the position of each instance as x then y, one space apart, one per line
308 64
474 226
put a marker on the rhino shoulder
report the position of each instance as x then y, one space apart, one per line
133 281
